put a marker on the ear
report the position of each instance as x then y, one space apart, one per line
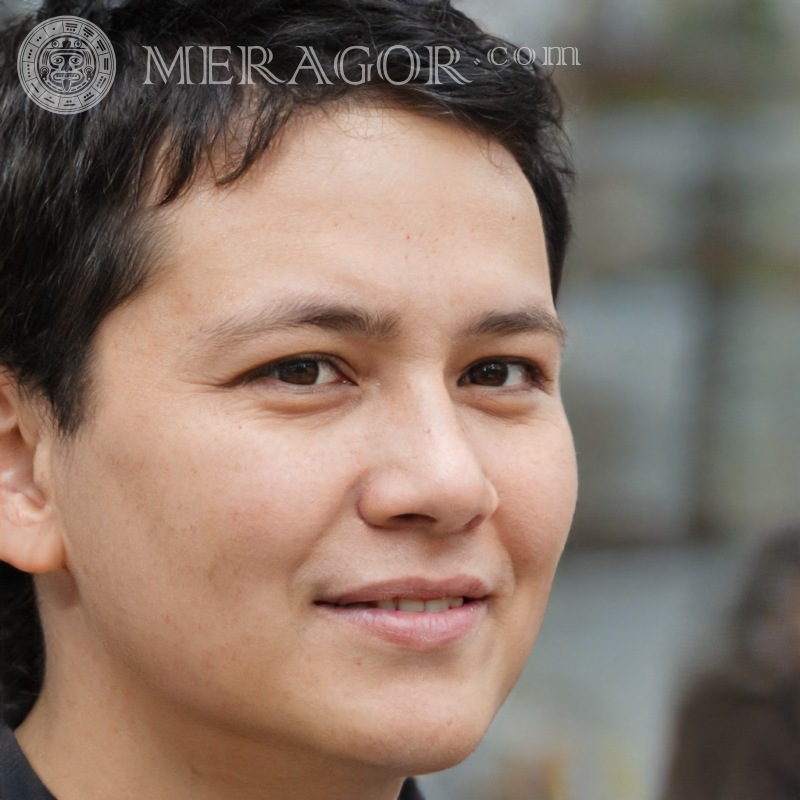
30 536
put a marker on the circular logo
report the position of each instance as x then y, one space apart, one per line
66 65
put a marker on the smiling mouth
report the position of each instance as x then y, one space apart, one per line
413 612
419 623
408 605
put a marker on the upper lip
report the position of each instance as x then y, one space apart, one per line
466 586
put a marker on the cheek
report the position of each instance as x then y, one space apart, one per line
183 545
275 498
537 486
537 482
200 514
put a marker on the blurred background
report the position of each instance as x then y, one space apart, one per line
682 377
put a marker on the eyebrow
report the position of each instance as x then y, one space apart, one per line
344 318
529 319
335 317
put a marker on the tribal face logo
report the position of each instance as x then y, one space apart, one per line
66 65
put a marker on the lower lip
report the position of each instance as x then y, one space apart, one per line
417 630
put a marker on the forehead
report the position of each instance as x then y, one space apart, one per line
371 205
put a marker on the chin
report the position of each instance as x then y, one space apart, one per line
443 755
431 751
428 739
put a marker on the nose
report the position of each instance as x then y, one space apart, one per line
425 473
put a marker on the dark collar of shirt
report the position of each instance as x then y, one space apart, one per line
18 781
409 791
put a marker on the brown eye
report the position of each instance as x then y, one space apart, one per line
303 372
488 374
497 373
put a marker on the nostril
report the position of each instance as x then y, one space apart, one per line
415 518
474 523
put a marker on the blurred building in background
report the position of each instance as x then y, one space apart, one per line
682 375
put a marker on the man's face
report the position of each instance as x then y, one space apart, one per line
342 392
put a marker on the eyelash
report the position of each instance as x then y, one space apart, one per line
535 374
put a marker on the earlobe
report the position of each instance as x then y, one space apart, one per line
30 537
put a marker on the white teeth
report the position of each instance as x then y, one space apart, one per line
407 604
410 605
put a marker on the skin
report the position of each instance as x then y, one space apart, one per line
184 534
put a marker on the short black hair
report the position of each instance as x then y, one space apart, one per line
77 207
